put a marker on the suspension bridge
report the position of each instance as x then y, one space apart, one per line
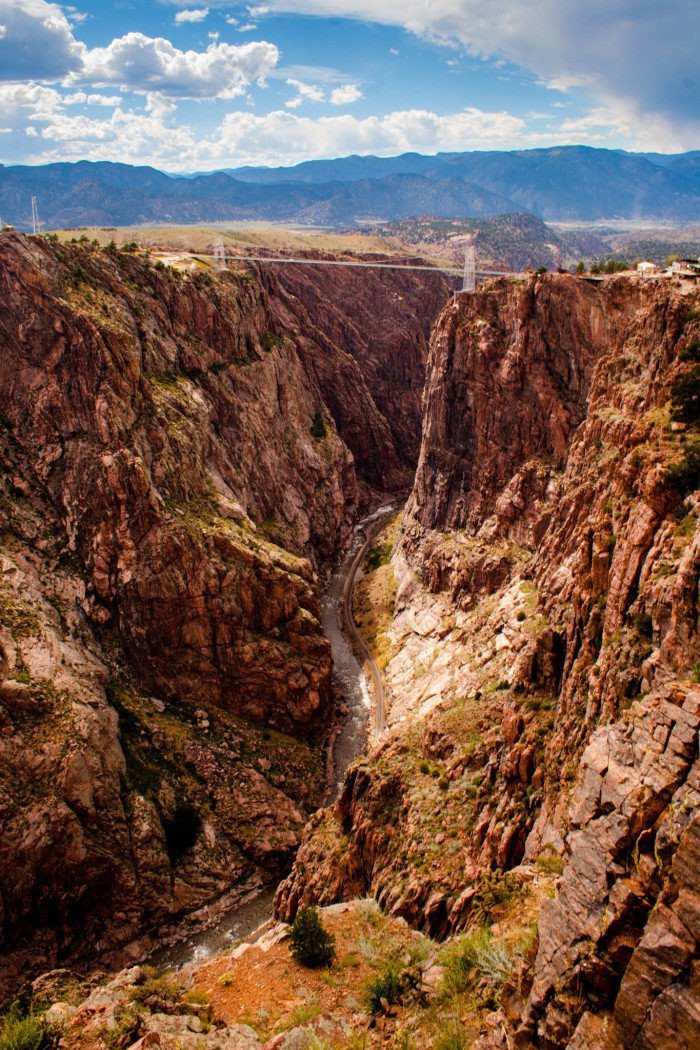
468 272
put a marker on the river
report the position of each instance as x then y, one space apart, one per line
237 922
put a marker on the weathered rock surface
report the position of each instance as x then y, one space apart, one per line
545 648
373 329
164 680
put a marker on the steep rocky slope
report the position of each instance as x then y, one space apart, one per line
544 660
166 501
383 323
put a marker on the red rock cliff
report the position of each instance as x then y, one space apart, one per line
545 657
165 682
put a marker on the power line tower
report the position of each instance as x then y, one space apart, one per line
220 255
469 277
37 226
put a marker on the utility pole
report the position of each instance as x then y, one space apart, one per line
36 225
220 255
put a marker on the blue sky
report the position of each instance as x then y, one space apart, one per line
197 86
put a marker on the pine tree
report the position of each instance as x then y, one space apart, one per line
311 944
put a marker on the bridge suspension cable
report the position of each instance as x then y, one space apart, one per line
452 270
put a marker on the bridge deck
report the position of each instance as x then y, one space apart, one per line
365 265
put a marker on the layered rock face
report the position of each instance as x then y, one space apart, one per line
165 682
545 658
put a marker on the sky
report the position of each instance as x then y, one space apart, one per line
187 86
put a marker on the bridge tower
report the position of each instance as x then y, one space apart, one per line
220 255
469 277
36 225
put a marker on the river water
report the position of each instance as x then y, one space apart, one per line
348 676
236 923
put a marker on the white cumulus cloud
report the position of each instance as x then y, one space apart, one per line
146 64
81 98
345 94
304 93
22 102
197 14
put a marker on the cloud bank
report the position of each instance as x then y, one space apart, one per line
638 57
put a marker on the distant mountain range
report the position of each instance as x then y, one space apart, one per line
562 183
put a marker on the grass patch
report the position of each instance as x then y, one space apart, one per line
550 863
451 1035
17 615
29 1032
378 555
471 956
301 1015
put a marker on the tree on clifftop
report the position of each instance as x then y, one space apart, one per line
311 944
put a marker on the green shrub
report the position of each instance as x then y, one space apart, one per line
311 944
685 397
23 1033
522 615
690 352
269 341
615 266
318 426
387 985
472 956
684 475
152 991
379 554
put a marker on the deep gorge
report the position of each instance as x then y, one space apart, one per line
183 457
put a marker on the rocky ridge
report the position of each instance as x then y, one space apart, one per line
165 507
544 660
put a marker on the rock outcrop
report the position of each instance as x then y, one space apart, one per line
544 657
172 478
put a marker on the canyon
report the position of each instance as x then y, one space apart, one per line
166 685
183 459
